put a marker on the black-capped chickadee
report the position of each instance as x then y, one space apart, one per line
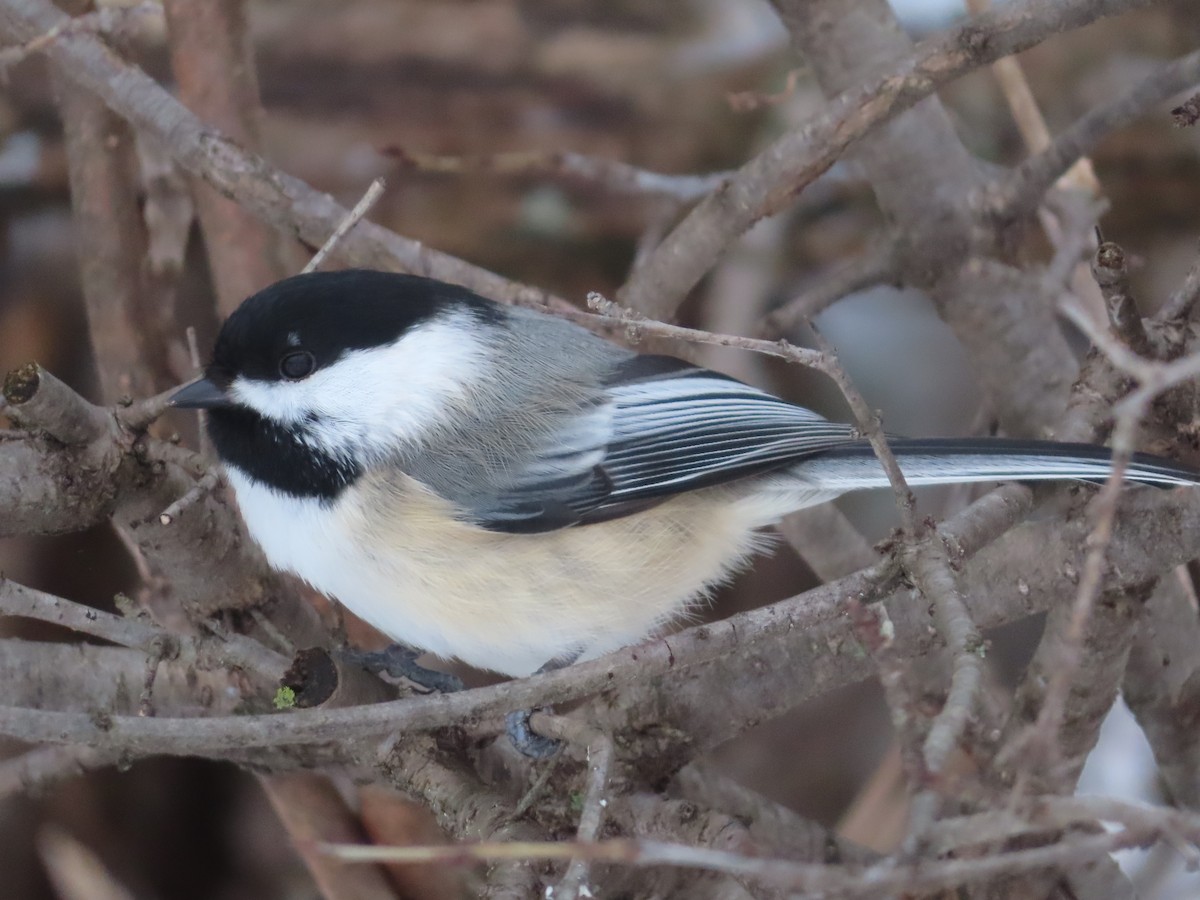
500 486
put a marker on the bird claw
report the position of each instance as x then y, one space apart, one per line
400 661
527 741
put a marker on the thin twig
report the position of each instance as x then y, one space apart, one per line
809 878
19 600
925 559
639 326
204 447
206 483
875 631
599 750
1074 239
139 414
361 208
1081 177
193 346
212 61
869 426
933 573
612 175
531 796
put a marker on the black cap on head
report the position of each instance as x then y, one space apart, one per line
296 327
326 314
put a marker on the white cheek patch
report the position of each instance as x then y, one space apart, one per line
372 400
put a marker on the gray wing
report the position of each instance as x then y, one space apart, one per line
663 427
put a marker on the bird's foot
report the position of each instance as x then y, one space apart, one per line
400 661
516 724
527 741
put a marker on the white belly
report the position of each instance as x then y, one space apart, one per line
507 602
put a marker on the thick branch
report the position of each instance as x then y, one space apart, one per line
63 475
132 478
86 678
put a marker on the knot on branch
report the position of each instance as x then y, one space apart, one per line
38 400
1188 114
21 384
1110 258
974 39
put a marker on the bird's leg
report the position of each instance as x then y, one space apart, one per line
400 661
516 724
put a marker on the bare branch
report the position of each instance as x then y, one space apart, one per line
766 184
869 425
772 826
18 600
1023 189
122 297
598 748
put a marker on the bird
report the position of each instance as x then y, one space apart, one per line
498 485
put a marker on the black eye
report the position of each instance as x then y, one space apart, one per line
297 364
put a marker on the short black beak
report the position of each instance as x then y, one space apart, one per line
201 394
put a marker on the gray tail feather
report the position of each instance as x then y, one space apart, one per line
956 460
